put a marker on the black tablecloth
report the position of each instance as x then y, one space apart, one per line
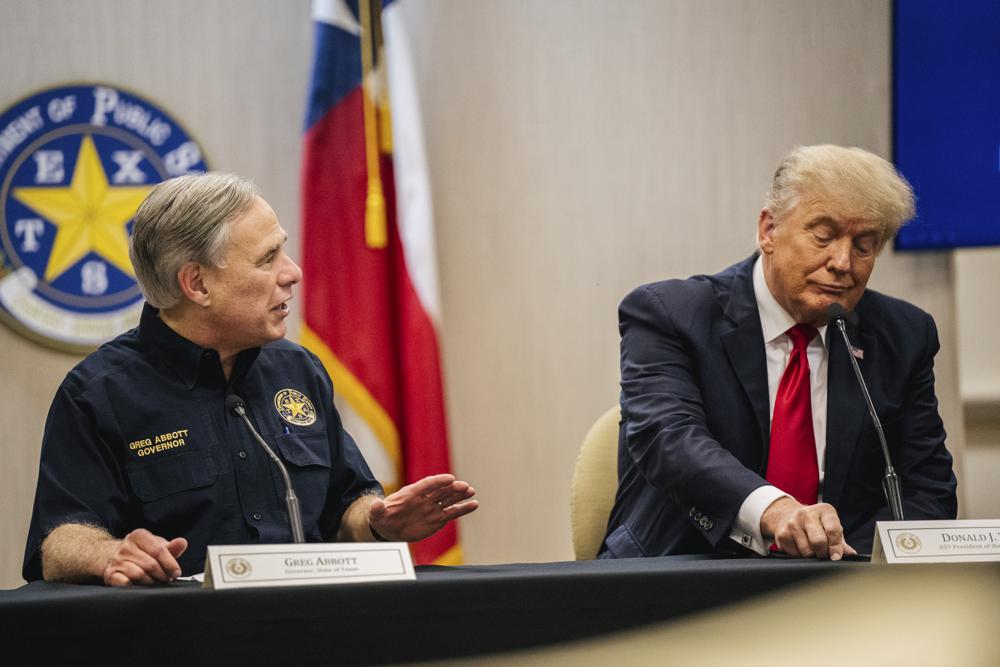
446 612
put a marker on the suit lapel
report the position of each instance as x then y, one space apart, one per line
846 412
744 345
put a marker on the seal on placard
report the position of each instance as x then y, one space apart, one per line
238 567
75 162
908 542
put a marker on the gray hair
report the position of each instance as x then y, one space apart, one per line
183 220
862 185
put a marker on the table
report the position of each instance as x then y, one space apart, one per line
446 612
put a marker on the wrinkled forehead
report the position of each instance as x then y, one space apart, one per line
254 229
842 205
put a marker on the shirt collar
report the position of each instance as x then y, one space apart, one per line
189 360
774 320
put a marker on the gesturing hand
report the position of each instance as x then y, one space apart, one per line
421 509
143 558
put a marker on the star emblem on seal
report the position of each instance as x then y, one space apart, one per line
295 407
75 163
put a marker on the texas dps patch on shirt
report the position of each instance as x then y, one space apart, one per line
75 162
295 407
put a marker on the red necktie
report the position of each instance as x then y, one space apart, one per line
791 461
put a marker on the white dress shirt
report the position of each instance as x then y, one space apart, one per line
775 321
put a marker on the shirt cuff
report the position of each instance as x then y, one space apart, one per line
746 527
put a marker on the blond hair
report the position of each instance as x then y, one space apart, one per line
862 185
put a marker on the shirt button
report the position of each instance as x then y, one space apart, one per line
256 516
243 455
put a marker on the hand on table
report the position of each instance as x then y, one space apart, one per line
806 531
143 558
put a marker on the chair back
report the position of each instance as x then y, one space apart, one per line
595 482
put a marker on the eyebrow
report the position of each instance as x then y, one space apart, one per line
275 248
821 220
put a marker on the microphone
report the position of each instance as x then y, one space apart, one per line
235 405
890 483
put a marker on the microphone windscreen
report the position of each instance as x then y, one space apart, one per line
232 401
836 312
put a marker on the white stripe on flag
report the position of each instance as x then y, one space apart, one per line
413 194
371 447
335 13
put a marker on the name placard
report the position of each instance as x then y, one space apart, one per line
959 541
250 565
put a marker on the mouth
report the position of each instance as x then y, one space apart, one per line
281 307
835 290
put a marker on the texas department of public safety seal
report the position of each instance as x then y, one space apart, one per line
75 162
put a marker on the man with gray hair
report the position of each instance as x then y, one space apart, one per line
142 466
743 429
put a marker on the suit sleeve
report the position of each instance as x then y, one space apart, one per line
666 432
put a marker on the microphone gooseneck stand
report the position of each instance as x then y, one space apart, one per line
890 482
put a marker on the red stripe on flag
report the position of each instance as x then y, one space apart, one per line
361 302
347 285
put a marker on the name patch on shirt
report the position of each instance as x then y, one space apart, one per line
157 444
295 407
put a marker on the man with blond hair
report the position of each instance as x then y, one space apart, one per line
743 428
143 465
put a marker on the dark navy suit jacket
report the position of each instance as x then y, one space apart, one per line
695 416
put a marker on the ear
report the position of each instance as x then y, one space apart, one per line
765 231
191 279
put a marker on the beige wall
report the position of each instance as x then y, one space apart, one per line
577 149
977 273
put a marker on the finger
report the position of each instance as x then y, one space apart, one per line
816 536
135 574
167 562
177 546
150 565
151 553
142 538
143 541
454 490
803 544
785 539
116 578
849 550
460 509
786 544
376 510
835 533
452 498
427 485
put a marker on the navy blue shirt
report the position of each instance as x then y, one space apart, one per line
138 437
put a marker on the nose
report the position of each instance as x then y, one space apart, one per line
290 274
839 259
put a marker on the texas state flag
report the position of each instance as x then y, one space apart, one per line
372 307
